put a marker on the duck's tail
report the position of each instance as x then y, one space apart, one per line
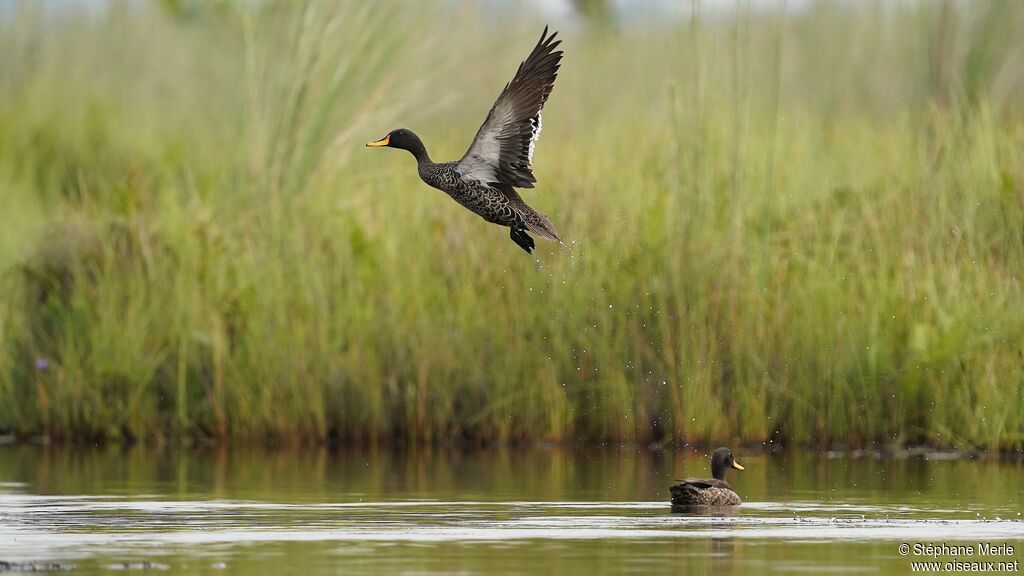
533 220
541 225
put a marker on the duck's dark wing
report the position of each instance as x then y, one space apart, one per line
706 483
502 150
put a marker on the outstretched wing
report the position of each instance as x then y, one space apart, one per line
502 150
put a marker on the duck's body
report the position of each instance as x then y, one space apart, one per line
714 491
495 203
499 159
695 492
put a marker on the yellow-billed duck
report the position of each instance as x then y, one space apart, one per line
714 491
500 158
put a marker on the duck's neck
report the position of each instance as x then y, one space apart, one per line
718 472
418 150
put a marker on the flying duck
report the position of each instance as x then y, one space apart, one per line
500 158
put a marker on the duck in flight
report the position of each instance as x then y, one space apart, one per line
500 159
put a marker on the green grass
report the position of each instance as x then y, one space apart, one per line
805 228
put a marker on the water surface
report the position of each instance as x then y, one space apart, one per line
551 510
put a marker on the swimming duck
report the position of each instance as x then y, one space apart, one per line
500 158
714 491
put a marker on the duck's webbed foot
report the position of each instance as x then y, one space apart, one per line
519 236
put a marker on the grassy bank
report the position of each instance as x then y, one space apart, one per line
804 227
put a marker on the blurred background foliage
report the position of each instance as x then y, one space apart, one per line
793 222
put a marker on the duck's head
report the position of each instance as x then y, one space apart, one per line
721 460
402 138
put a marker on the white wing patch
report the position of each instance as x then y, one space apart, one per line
536 123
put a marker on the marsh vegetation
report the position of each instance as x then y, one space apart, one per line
804 226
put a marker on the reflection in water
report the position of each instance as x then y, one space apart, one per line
372 511
724 555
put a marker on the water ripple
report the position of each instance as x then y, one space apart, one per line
40 526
